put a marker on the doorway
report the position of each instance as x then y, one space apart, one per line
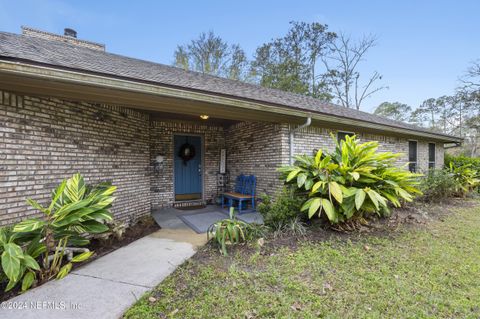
188 171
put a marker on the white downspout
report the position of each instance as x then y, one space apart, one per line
292 133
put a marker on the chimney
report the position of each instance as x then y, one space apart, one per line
69 33
69 36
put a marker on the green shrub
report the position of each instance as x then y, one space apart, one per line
281 210
438 185
461 160
36 249
232 231
353 181
295 227
465 178
19 262
256 231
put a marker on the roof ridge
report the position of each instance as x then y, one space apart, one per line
59 36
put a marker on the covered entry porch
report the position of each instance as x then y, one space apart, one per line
124 132
195 161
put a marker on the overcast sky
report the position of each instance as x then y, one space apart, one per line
423 46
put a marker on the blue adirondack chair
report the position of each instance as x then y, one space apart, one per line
243 192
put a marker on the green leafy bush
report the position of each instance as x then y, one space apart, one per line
256 231
465 178
352 181
473 162
283 209
438 185
228 231
295 227
19 262
75 212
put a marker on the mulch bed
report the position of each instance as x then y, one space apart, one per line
141 228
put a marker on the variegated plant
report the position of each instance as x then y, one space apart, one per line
19 262
352 181
74 212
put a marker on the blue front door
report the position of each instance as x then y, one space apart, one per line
188 167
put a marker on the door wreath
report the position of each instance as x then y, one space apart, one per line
187 152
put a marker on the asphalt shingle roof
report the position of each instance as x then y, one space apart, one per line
65 55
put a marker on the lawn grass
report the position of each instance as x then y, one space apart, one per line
431 271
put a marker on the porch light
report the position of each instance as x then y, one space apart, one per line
204 117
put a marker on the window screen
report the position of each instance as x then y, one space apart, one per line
431 155
412 156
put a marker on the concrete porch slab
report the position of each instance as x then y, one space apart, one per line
177 219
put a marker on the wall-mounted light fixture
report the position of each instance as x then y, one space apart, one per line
204 117
158 163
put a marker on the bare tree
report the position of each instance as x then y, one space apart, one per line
469 97
343 74
471 79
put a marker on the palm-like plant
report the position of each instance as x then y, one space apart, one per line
74 212
353 180
229 230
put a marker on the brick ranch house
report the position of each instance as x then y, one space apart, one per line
68 106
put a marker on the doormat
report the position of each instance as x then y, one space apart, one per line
193 196
193 207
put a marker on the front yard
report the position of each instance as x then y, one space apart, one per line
422 270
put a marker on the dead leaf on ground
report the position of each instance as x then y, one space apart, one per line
261 242
152 299
326 286
296 306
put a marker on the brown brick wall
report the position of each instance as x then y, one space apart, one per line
44 140
256 149
311 138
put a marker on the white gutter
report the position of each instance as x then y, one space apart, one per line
292 133
446 146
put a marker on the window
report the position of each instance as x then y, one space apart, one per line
431 155
341 136
412 156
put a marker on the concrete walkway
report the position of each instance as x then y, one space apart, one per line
108 286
